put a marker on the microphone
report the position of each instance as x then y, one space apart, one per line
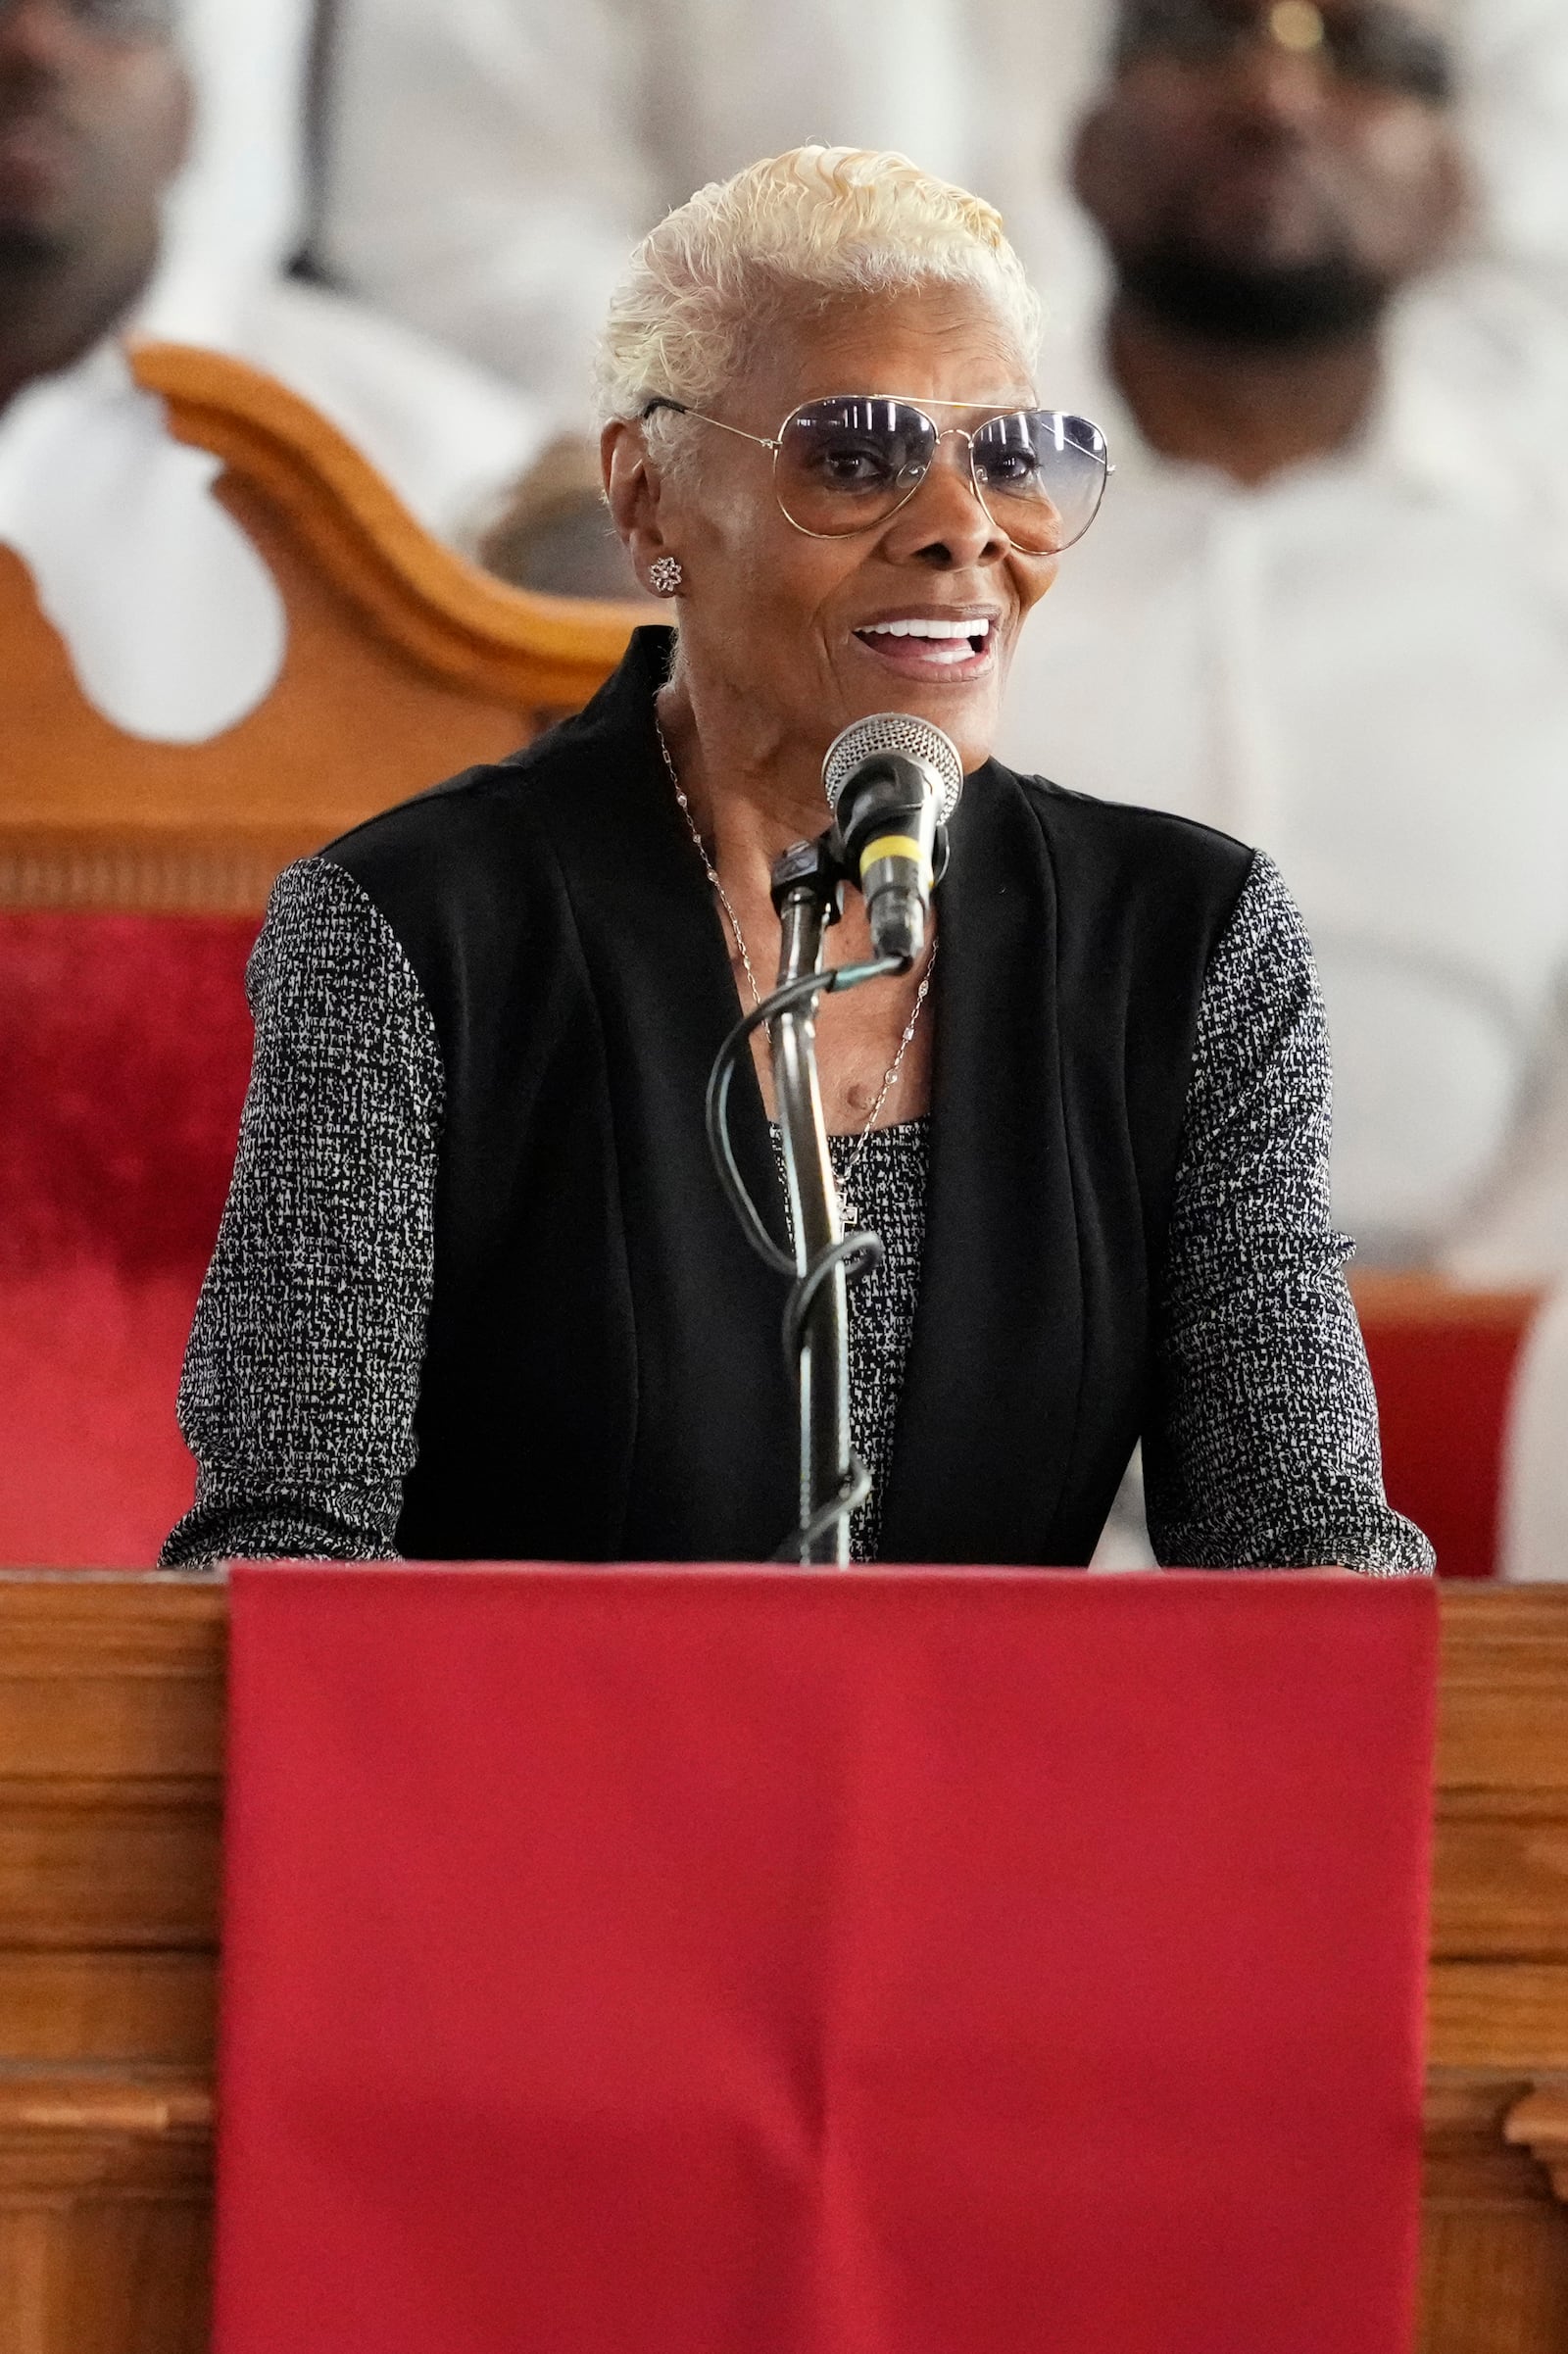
892 781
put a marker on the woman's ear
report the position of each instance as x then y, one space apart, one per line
634 493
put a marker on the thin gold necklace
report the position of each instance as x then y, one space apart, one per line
890 1077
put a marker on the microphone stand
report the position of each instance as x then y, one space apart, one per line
889 808
808 888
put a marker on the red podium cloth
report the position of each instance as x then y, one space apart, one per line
647 1962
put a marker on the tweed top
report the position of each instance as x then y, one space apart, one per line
887 1190
1261 1443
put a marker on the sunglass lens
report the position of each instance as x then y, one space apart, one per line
844 463
1041 475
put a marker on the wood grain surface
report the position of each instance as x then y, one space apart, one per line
404 664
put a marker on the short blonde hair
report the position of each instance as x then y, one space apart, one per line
820 221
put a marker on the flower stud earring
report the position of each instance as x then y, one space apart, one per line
666 576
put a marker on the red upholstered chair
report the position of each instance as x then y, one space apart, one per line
124 1052
132 876
1444 1362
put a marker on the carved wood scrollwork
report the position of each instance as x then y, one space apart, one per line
404 664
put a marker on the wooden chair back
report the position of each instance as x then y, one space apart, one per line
404 663
132 875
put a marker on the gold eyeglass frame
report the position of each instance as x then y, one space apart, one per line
774 442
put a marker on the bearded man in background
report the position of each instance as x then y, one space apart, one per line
1326 607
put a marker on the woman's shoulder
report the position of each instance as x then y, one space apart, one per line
470 856
1135 838
485 829
1176 883
464 814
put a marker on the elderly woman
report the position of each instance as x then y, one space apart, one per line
478 1292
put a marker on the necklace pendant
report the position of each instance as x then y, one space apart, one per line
848 1216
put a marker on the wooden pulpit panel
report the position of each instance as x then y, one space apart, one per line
111 1730
404 664
1495 2225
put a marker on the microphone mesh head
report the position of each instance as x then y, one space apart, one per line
894 731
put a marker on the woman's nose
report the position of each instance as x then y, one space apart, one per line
945 525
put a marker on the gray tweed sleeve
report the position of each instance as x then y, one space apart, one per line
1262 1443
303 1369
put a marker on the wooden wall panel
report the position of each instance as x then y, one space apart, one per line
112 2274
140 2008
1495 2239
111 1717
85 1867
1495 2242
1502 1875
111 1734
1505 2015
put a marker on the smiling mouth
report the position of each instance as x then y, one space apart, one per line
959 649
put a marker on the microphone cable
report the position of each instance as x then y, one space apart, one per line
857 1253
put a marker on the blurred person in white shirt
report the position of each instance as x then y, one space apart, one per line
1326 607
493 162
174 624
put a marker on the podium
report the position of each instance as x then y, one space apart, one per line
748 1961
110 1731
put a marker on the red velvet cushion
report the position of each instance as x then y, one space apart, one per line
1444 1392
124 1047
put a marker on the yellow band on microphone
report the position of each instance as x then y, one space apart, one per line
897 846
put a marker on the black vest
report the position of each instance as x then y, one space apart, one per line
604 1376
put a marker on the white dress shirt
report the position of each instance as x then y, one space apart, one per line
1362 668
237 210
445 433
173 622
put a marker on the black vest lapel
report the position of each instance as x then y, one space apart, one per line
713 1472
986 1427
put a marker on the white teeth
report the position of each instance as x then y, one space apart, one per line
926 630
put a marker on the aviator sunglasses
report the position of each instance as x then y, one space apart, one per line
849 462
